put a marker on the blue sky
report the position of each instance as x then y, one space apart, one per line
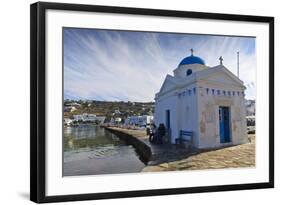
131 66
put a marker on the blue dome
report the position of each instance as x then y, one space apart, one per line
192 60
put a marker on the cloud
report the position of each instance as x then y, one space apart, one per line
131 66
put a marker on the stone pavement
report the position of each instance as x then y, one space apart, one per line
172 157
229 157
160 153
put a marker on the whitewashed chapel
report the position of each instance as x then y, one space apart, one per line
207 102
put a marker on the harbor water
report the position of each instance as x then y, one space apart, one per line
91 150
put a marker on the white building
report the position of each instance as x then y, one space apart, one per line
85 117
67 121
115 121
100 119
69 108
139 120
207 101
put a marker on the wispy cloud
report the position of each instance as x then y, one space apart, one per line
120 65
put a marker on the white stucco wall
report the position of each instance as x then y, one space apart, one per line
167 102
208 111
188 112
183 111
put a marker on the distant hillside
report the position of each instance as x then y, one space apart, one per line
124 109
109 109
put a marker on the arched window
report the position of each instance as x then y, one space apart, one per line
188 72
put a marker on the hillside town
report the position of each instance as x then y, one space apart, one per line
130 114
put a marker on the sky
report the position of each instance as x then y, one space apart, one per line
111 65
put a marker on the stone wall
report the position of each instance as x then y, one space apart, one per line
142 149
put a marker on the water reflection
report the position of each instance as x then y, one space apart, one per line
88 136
90 149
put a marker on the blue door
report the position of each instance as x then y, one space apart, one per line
168 119
224 124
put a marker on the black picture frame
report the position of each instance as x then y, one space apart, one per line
38 101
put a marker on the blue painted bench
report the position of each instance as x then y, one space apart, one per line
184 136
